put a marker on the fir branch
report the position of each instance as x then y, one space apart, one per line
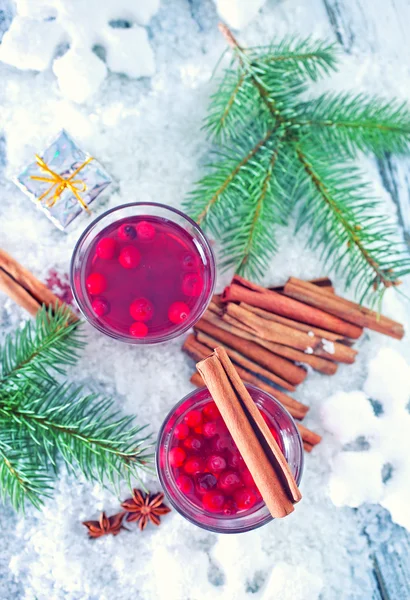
358 122
251 239
241 198
310 58
84 430
343 219
36 351
21 478
43 421
214 187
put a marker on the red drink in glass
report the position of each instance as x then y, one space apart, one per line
143 273
202 471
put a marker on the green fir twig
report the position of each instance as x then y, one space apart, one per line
275 156
45 421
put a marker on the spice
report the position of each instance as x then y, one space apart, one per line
251 434
145 507
242 290
25 289
342 308
105 525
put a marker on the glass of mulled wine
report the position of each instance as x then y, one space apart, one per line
142 273
202 472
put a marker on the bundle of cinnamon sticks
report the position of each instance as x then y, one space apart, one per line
274 335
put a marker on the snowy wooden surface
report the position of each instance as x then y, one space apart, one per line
378 26
371 30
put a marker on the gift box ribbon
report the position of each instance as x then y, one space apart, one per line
59 183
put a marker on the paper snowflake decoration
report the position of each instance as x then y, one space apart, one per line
373 428
43 29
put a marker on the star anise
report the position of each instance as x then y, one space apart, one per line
105 525
145 507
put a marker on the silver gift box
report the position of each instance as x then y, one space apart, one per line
63 158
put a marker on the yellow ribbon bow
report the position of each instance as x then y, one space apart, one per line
60 183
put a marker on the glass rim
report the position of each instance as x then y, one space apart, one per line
219 529
183 326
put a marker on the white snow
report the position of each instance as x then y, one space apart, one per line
292 582
41 26
238 13
147 133
357 476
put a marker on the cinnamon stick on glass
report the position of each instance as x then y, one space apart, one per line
251 434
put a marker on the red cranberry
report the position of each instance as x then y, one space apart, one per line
185 484
193 418
199 429
216 463
189 262
178 312
127 232
229 508
194 443
245 498
235 460
130 257
213 501
181 431
192 284
146 231
229 481
177 457
106 248
194 465
223 443
210 429
138 329
205 482
211 411
247 478
96 283
100 306
141 309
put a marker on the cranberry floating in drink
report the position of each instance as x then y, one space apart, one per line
143 273
204 474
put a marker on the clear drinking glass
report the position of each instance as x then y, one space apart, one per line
189 504
153 278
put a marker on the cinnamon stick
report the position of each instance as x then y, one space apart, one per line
17 293
322 333
277 365
230 324
306 434
24 288
242 290
322 282
236 356
287 336
342 308
295 408
251 434
307 447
